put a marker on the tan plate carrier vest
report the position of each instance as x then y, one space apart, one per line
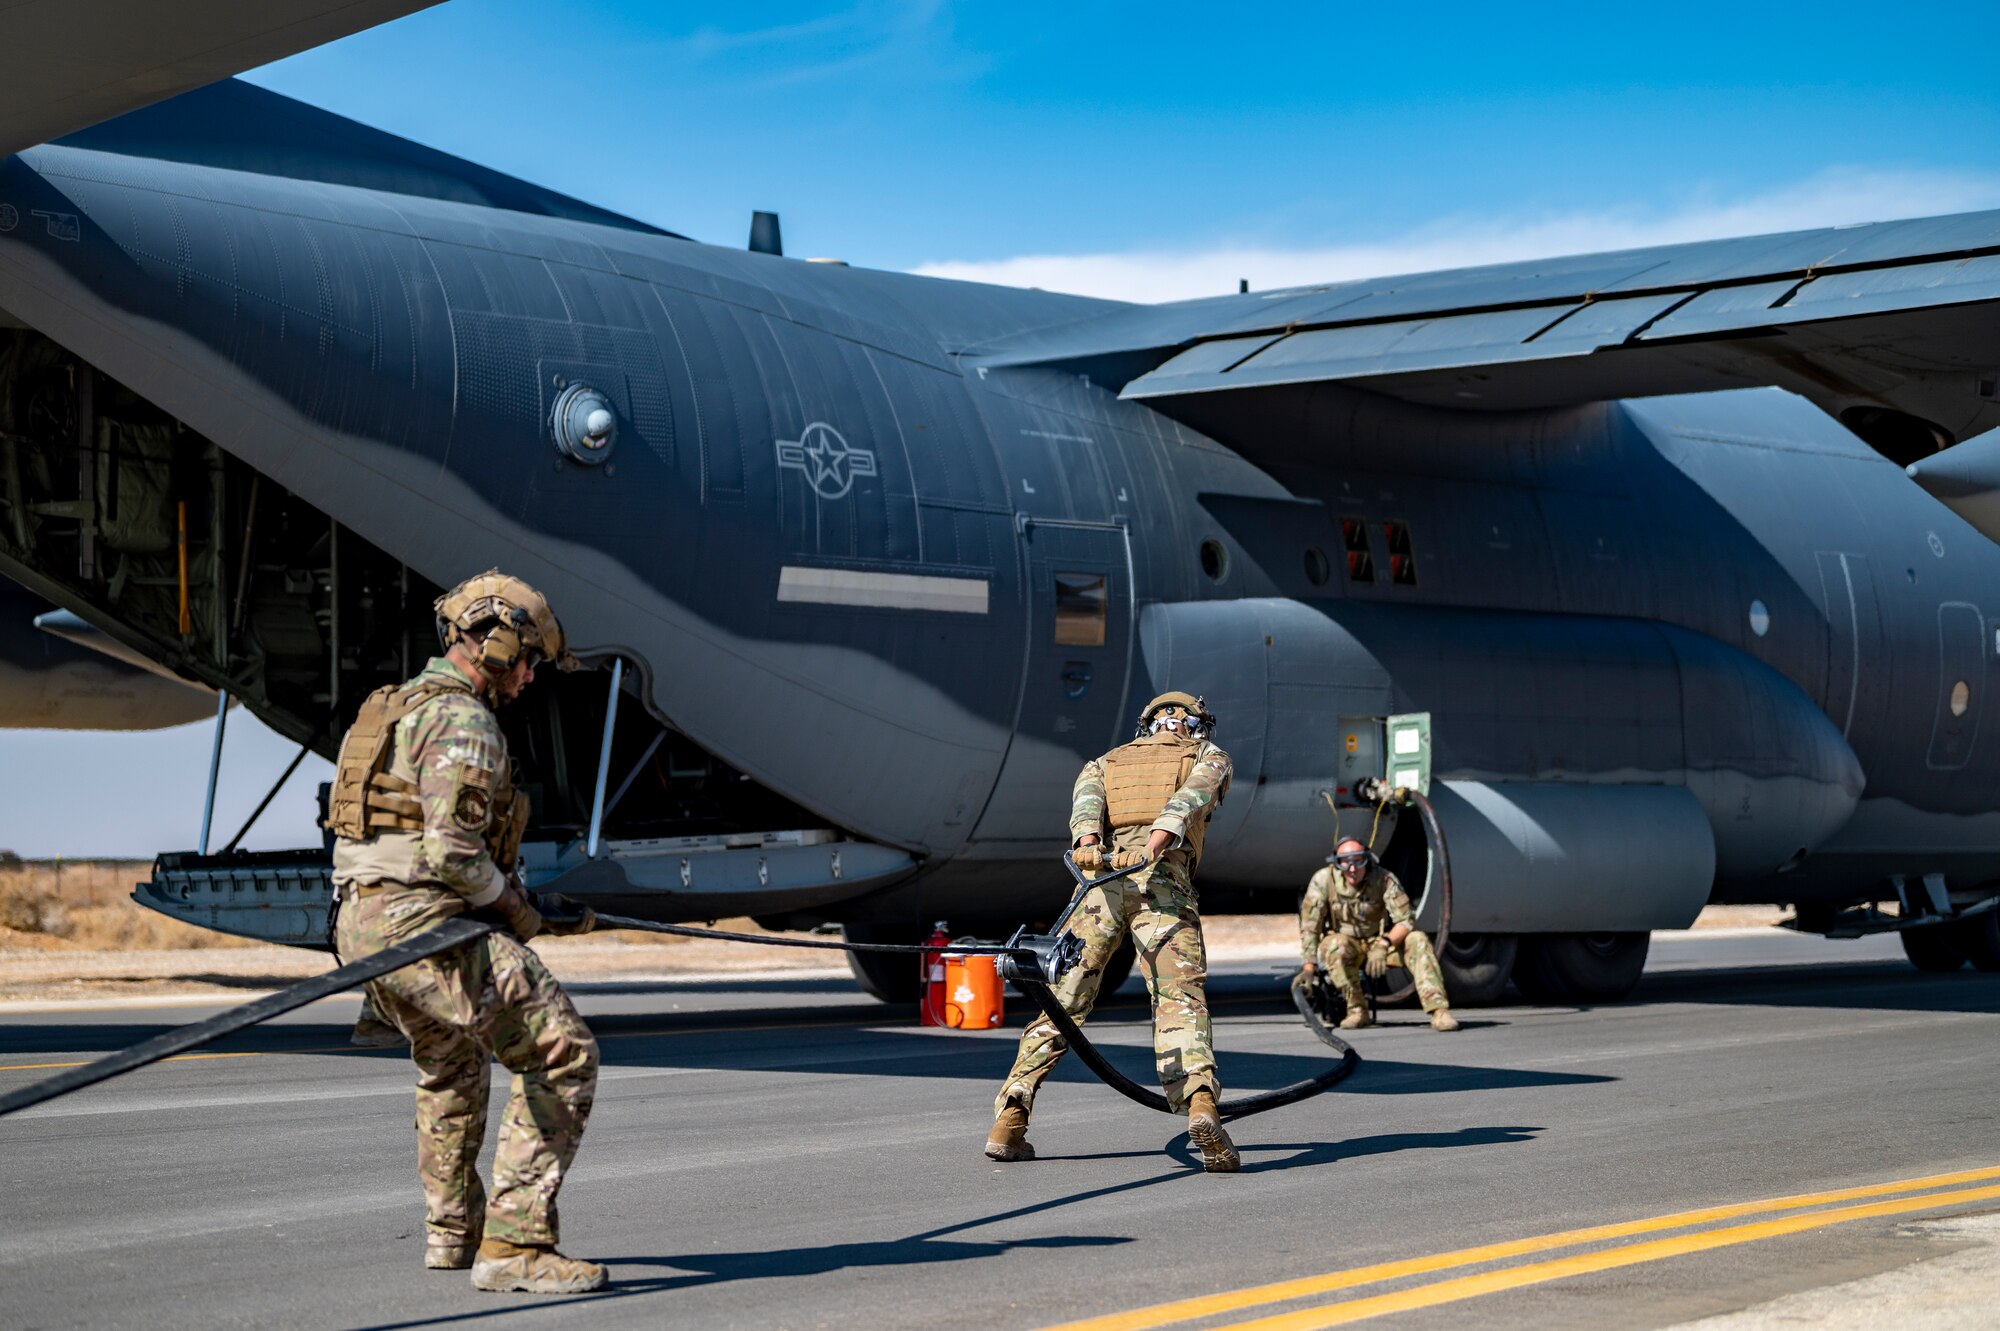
1139 779
1357 916
368 799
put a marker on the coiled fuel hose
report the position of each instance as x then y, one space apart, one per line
1439 879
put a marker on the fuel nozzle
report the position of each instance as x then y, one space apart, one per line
1375 790
1040 958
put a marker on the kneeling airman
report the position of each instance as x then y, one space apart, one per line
1357 918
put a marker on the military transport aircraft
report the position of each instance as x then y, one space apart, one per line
1685 551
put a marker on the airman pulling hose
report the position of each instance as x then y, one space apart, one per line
1032 960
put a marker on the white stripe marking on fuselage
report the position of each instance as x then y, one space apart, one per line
890 591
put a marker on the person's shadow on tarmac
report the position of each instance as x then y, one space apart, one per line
697 1269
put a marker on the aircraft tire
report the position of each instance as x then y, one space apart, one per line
1977 939
1580 968
1477 966
1118 969
888 976
1934 949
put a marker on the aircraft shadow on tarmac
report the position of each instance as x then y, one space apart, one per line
1890 986
696 1269
750 1040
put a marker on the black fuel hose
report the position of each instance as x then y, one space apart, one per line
452 933
455 932
1314 1022
1066 1026
1441 866
765 940
1073 1035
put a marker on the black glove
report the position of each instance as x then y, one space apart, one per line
562 917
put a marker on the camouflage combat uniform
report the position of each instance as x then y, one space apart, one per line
490 998
1337 921
1158 907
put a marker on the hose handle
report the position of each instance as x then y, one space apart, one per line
1069 862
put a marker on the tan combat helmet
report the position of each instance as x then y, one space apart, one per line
1191 701
520 614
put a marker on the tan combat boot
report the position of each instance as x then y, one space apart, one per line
1218 1153
1442 1020
1009 1139
1356 1018
506 1267
449 1256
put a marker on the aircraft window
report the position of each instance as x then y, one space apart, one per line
1214 559
1317 569
1081 607
1402 559
1360 563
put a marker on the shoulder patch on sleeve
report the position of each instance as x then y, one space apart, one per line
469 810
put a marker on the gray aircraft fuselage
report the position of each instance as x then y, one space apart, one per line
1675 649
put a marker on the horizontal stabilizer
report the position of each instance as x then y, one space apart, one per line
1893 325
65 64
71 627
1966 480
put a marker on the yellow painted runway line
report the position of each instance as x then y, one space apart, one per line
1560 1268
1183 1310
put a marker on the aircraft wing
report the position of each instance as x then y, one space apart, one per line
1892 326
65 64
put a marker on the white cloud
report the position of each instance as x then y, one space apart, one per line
1833 198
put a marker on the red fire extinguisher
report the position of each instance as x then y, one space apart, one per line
931 1005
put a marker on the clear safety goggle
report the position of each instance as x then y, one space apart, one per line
1351 858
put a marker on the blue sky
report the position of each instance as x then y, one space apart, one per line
1144 151
908 135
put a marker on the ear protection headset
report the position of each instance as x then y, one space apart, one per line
500 650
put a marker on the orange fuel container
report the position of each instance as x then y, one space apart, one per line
971 991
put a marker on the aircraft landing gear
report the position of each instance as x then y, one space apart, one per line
1934 948
1476 967
885 975
1118 969
1579 968
1977 939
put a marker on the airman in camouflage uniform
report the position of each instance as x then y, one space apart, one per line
427 828
1356 916
1153 798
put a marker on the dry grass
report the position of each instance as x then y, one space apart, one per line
60 905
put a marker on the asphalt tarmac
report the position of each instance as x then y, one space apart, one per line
783 1153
